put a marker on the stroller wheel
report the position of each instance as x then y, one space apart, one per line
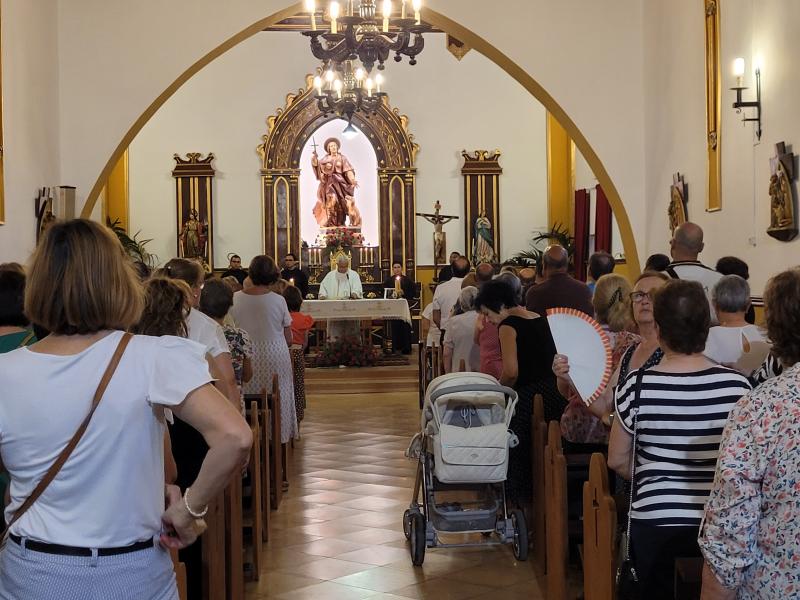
407 523
520 535
417 539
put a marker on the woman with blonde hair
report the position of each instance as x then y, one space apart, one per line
612 309
621 311
82 421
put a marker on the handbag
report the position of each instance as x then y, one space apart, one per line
627 578
62 458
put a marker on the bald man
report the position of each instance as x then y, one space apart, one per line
685 247
558 290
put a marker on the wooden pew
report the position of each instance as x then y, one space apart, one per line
214 551
264 427
555 474
275 450
252 517
599 533
233 540
422 357
538 439
180 575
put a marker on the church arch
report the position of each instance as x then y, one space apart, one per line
468 37
288 132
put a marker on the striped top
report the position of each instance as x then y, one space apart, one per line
679 428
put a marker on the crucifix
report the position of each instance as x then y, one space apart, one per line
439 239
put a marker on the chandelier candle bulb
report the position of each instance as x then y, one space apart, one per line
337 85
417 4
318 85
360 73
334 12
369 84
387 12
379 81
403 9
311 7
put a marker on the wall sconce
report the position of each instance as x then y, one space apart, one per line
738 71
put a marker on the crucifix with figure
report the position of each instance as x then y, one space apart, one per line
439 238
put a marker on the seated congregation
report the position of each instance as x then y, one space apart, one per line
692 440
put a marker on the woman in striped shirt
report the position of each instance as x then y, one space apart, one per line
682 407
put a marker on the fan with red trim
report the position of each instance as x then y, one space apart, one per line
582 340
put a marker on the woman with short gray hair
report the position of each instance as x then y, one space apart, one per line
459 339
734 338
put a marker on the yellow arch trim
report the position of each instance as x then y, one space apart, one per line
447 25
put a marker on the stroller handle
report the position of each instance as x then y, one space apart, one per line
483 387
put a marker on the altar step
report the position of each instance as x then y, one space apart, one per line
363 380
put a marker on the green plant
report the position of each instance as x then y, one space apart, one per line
349 351
557 234
133 246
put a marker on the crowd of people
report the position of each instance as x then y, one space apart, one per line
699 418
700 415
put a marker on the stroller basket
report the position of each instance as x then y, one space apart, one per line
469 432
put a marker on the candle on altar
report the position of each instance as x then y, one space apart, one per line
397 289
291 281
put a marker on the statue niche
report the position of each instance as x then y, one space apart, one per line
288 131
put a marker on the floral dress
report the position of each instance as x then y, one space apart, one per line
751 530
241 348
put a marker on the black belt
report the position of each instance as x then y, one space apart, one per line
75 551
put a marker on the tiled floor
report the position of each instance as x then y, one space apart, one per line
338 534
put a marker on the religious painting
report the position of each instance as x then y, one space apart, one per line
338 184
193 195
782 222
677 210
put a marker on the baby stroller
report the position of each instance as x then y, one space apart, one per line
462 451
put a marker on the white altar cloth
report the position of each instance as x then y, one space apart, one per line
356 310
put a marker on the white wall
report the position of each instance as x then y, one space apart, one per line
451 106
116 58
30 118
675 125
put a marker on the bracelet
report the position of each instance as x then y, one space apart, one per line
196 515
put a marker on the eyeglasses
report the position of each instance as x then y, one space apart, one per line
637 297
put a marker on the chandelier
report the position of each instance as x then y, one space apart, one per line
344 90
363 36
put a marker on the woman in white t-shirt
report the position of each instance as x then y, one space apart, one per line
105 508
734 342
459 339
204 329
263 314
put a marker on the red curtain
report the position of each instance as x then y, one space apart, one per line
581 233
602 222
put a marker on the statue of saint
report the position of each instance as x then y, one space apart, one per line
193 237
782 223
482 241
337 185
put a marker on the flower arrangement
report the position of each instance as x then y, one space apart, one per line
343 237
349 351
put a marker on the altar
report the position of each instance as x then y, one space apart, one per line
358 310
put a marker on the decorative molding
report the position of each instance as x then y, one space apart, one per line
456 47
713 113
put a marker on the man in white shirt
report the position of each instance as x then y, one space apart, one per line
447 293
685 246
343 283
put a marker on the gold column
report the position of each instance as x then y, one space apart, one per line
560 175
117 193
713 119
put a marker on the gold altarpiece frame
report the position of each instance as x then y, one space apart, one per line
194 178
290 128
481 172
713 99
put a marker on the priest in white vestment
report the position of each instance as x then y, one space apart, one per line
341 284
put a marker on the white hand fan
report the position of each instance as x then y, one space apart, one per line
581 339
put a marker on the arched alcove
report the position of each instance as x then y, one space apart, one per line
288 132
469 38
